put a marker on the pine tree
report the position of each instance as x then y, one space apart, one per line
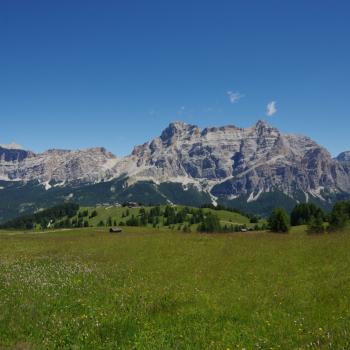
279 221
210 223
339 216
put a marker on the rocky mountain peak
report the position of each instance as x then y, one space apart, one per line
174 128
344 157
14 154
177 130
261 124
263 127
12 145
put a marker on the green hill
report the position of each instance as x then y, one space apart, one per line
117 215
179 217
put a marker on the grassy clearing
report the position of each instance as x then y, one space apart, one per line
147 289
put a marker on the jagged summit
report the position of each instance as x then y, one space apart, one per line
176 129
180 128
262 123
12 145
344 157
56 165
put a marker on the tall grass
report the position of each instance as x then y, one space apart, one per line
145 289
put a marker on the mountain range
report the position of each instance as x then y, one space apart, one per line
253 169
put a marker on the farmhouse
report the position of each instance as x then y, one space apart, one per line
132 205
115 230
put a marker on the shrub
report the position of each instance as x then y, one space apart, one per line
254 219
101 223
316 225
93 214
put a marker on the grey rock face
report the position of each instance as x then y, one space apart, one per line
14 155
231 161
57 165
226 161
344 160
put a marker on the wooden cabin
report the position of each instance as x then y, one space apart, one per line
115 230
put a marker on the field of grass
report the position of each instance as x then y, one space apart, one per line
158 289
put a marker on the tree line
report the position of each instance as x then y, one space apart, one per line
43 218
314 217
67 215
176 218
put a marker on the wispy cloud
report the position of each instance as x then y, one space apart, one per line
153 113
234 96
271 108
181 110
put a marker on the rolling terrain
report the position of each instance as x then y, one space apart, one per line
159 217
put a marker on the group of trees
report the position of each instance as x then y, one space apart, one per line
230 209
339 216
303 213
211 223
170 216
180 218
43 218
79 219
313 216
309 214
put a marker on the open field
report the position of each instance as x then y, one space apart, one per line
158 289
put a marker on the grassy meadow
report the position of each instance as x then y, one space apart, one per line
163 289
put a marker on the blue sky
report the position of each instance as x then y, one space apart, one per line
75 74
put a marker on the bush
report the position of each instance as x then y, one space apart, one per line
101 223
316 225
93 214
279 221
254 219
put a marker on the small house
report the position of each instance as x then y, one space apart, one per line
115 230
131 205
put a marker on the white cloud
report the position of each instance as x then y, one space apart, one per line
153 113
234 97
181 110
271 108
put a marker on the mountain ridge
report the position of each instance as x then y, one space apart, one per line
228 164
